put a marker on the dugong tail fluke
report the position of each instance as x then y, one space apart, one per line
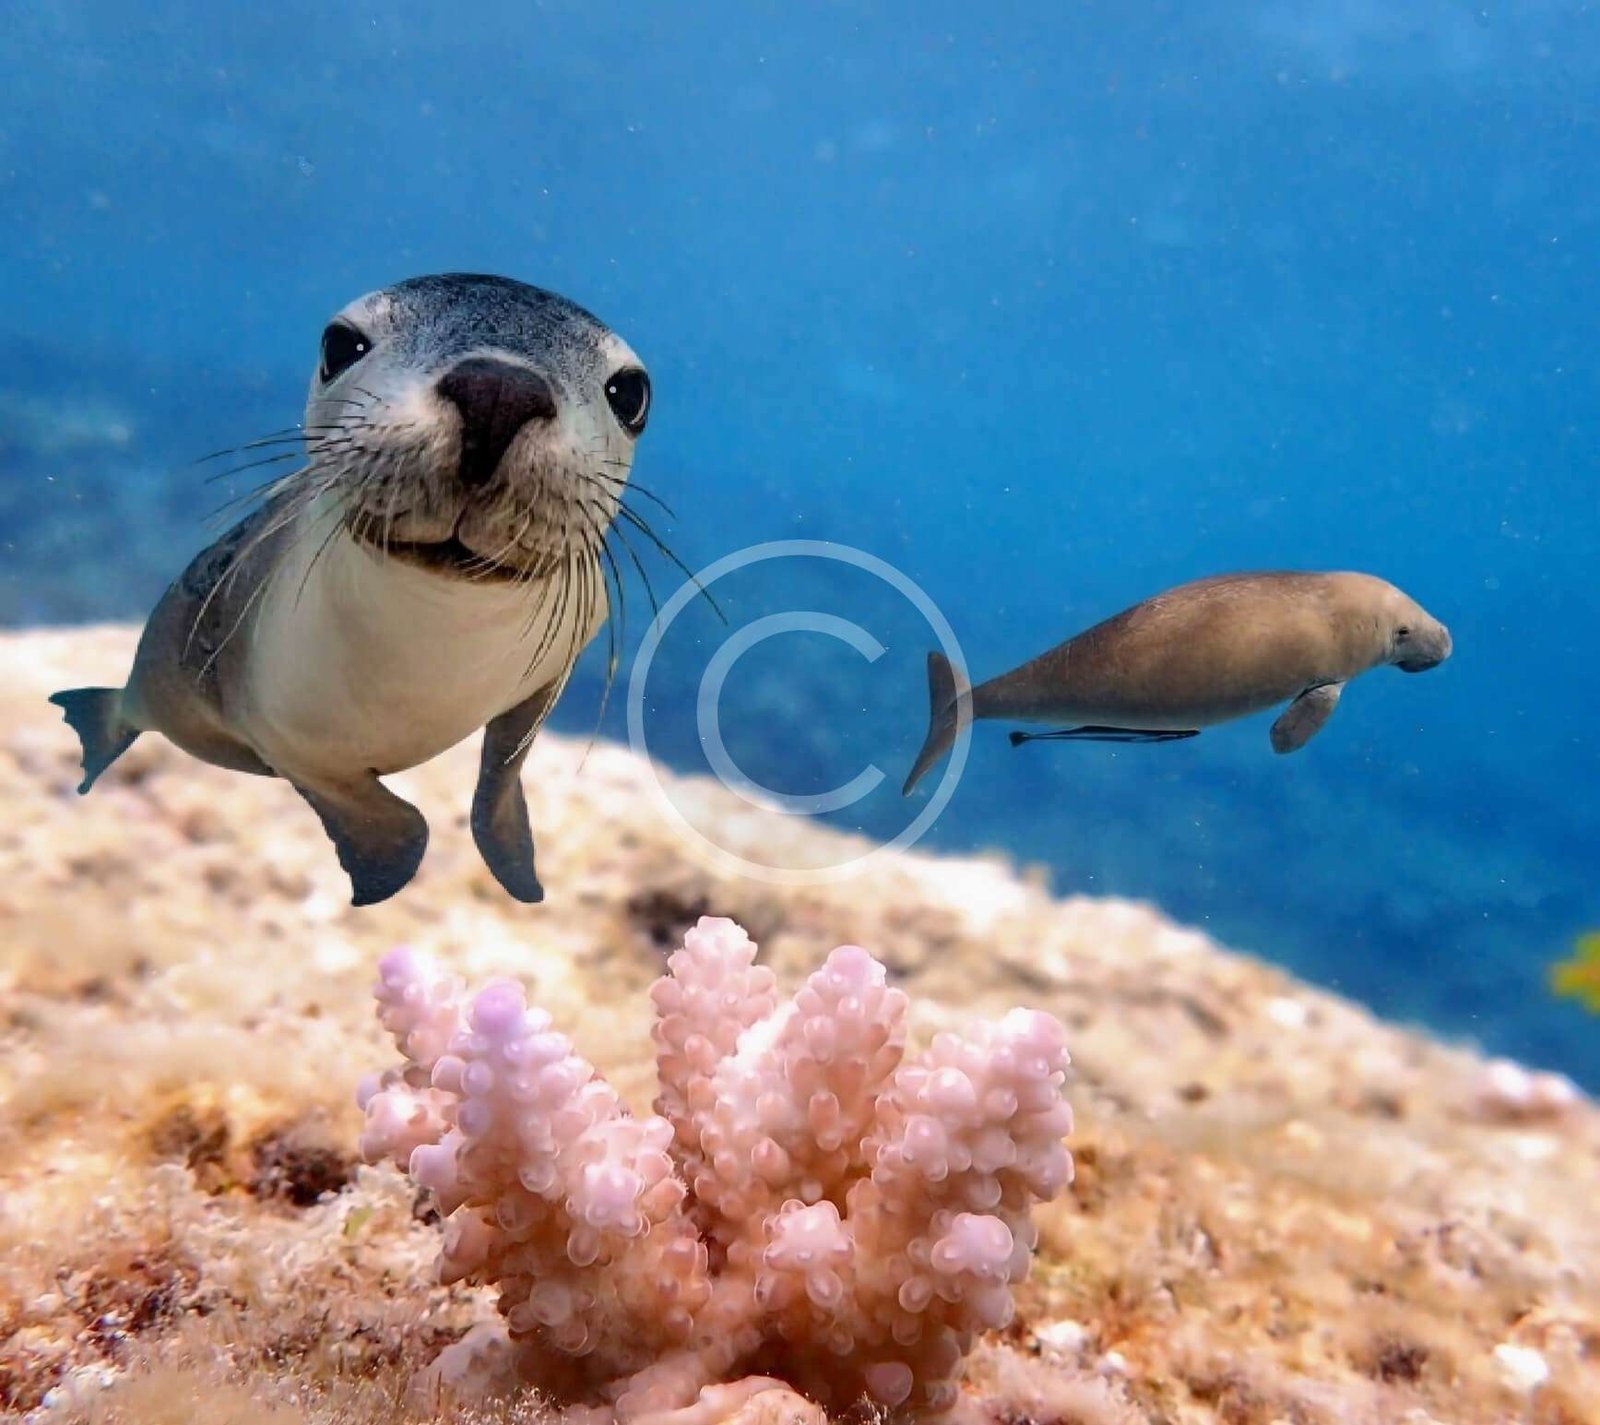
946 693
95 714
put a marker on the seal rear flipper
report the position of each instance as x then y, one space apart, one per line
95 714
1106 734
1303 718
380 838
947 690
499 810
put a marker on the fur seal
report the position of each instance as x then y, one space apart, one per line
435 567
1198 655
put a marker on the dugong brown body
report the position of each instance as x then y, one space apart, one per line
1201 654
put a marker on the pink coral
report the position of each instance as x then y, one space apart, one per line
805 1203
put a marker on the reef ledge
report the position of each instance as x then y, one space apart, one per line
1284 1209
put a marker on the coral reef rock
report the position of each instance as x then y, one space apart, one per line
1282 1208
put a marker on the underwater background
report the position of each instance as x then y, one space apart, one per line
1048 307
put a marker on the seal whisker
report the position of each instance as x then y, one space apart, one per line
616 609
335 528
611 674
617 503
580 598
487 566
551 625
644 578
616 621
314 439
235 559
238 623
625 486
367 484
522 533
536 612
392 490
265 490
593 535
278 459
602 562
634 519
288 435
262 493
563 607
305 521
569 660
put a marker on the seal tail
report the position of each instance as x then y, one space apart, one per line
95 714
946 693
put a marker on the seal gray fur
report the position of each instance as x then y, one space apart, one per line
435 568
1198 655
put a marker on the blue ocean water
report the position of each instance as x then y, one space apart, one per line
1048 307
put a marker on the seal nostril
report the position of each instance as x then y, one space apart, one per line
496 399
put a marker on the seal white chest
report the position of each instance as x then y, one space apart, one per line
343 641
436 568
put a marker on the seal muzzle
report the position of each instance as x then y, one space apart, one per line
496 400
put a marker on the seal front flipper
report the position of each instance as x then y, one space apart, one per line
95 714
1303 718
499 811
1106 734
380 838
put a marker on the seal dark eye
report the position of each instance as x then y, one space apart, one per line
629 394
342 347
1402 632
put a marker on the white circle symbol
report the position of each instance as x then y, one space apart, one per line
716 675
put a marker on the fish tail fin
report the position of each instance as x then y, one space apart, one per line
95 714
947 691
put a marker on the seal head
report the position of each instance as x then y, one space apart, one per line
474 424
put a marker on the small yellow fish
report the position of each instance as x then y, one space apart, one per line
1579 977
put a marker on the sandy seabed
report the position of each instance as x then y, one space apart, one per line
1285 1210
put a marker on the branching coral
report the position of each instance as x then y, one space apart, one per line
805 1203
